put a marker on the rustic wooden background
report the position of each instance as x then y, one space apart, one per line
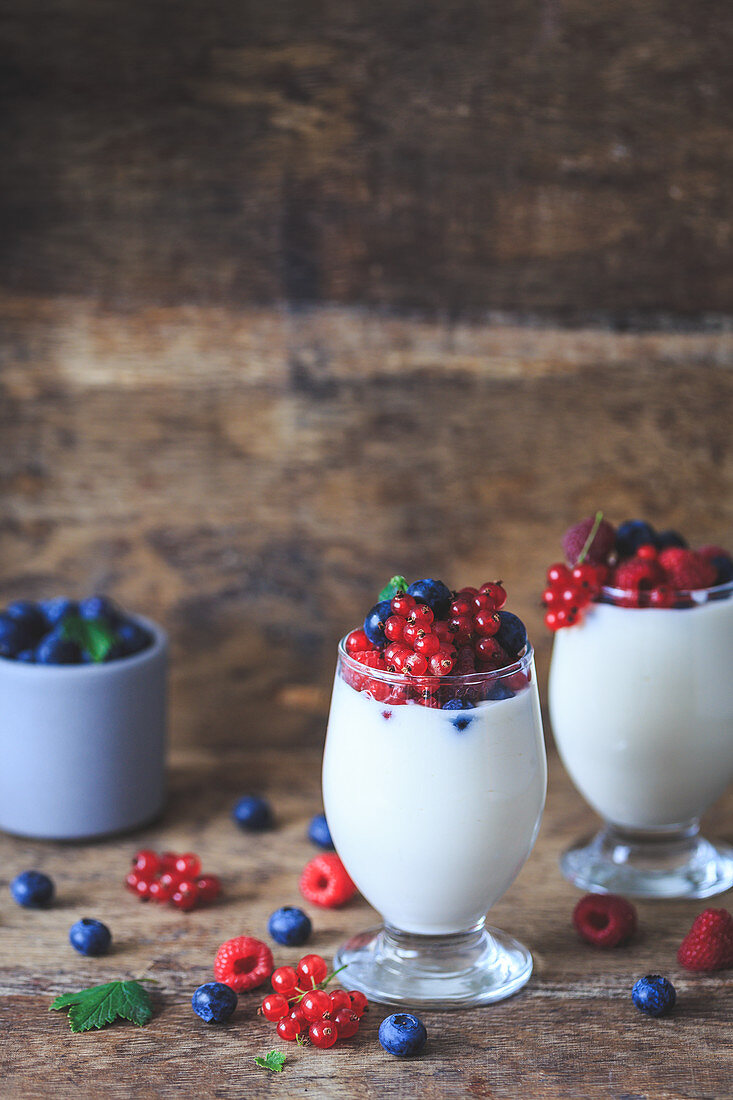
297 295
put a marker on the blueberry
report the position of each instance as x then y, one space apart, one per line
402 1034
434 594
55 650
253 814
462 724
499 691
90 937
13 636
654 995
458 704
32 889
319 832
631 535
57 609
512 634
289 926
724 566
664 539
375 620
27 656
133 637
29 615
100 607
214 1002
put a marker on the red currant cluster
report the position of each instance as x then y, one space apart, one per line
171 877
569 591
304 1010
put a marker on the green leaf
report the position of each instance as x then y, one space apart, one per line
394 585
93 635
273 1061
100 1005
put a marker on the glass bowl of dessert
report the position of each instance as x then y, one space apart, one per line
434 780
641 705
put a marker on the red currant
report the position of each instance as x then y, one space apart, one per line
403 605
661 596
323 1034
647 552
393 628
347 1023
442 663
275 1007
461 626
131 881
442 632
284 980
422 615
315 1005
146 861
289 1029
296 1013
488 649
549 597
209 888
359 1003
411 633
462 605
357 642
188 865
160 892
416 664
558 573
170 878
186 895
143 889
584 577
570 596
468 591
339 999
486 623
428 644
551 621
311 969
497 593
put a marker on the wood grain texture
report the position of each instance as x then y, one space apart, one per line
571 157
573 1032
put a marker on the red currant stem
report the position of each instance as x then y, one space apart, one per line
302 1040
321 985
591 535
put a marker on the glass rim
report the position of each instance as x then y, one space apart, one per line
470 678
697 595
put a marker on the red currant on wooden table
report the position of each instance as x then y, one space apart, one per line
316 1005
169 876
289 1029
300 1004
284 980
323 1034
311 970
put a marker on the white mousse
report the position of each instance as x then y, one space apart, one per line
641 703
433 822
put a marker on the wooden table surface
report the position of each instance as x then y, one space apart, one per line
572 1032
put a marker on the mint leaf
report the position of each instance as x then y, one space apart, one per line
93 635
394 585
273 1061
100 1005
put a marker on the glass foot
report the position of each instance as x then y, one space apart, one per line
457 971
655 863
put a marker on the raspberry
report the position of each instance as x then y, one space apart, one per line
685 570
325 882
243 963
710 552
605 920
709 943
637 575
576 537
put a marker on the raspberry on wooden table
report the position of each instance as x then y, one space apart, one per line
709 943
243 963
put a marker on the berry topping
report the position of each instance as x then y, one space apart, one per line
638 575
654 995
32 889
214 1002
686 570
402 1034
90 937
632 534
319 832
575 541
709 943
324 881
253 814
357 642
512 634
375 621
605 920
434 594
289 926
243 963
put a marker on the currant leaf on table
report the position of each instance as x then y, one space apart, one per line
273 1061
100 1005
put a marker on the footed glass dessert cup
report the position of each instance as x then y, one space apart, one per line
641 704
434 791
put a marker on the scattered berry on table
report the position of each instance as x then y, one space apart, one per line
323 1034
275 1007
284 980
402 1034
605 920
654 995
319 832
325 881
214 1002
289 926
347 1023
171 877
709 943
300 1004
253 814
315 1004
243 963
32 889
311 971
359 1002
90 937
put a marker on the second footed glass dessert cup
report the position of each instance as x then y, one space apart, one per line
641 704
434 791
